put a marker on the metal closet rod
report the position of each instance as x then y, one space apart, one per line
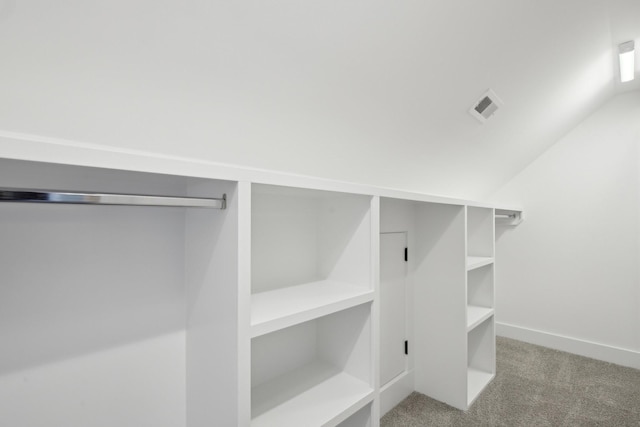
67 197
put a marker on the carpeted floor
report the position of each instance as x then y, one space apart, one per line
536 386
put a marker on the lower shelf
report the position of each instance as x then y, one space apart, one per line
477 380
316 393
476 315
474 262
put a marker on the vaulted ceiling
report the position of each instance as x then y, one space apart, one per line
366 91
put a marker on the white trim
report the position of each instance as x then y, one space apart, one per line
19 146
395 391
607 353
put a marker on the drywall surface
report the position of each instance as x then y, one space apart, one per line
135 385
367 92
571 268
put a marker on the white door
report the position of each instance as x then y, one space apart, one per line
393 303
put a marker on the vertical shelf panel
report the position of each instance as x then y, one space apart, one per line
440 339
211 274
244 303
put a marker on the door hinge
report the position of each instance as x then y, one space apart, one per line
406 254
406 347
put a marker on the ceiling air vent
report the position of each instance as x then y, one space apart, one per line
486 106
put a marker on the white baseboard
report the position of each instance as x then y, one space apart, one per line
619 356
395 391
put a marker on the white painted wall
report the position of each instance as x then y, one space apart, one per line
368 92
571 268
139 384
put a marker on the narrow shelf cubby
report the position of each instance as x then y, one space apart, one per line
480 300
480 236
318 371
479 295
481 359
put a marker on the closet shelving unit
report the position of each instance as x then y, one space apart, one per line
480 300
453 302
261 313
312 297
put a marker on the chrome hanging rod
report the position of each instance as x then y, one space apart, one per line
508 216
67 197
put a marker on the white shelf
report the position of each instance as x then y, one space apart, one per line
284 307
474 262
476 315
316 393
477 380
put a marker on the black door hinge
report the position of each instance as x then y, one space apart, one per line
406 254
406 347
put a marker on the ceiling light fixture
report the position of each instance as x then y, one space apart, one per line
627 66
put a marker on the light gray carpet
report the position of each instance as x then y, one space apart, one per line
536 386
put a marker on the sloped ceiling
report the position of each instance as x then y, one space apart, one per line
373 91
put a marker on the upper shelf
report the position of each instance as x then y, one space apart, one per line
284 307
67 197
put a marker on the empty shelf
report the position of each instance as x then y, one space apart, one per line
281 308
476 315
477 380
474 262
317 394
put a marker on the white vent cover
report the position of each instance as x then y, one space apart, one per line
486 106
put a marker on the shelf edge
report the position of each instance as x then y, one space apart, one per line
479 263
477 322
272 325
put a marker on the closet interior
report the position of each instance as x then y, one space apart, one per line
140 298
